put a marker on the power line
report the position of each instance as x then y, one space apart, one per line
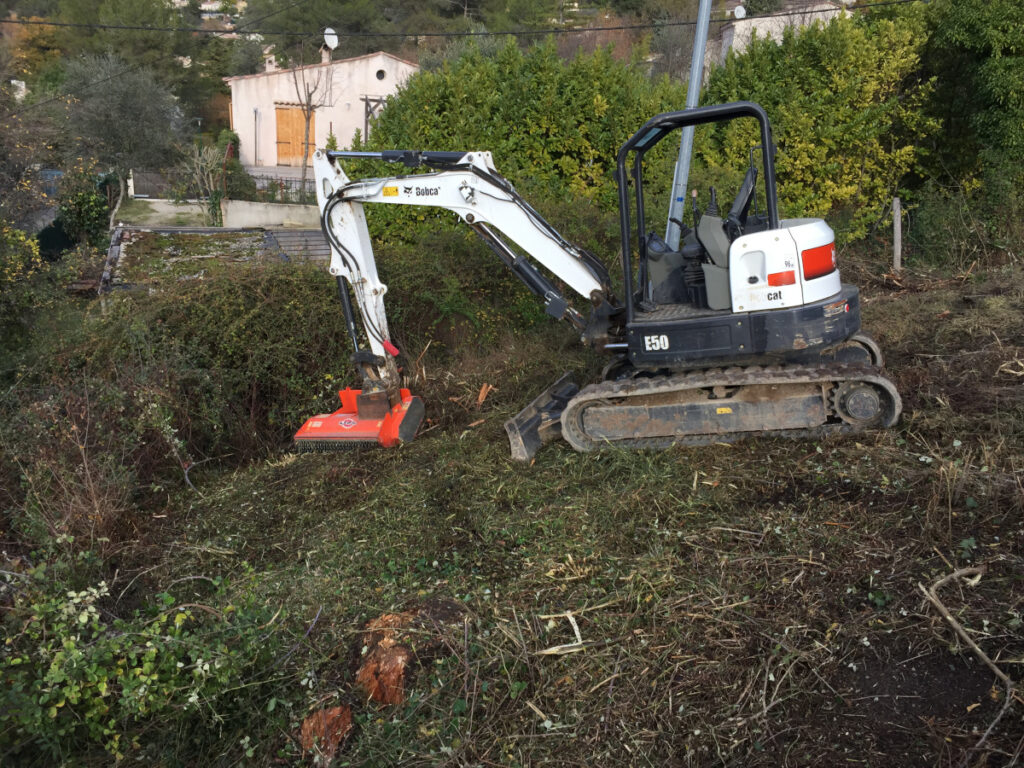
132 67
247 26
514 33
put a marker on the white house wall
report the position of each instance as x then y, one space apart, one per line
254 99
737 34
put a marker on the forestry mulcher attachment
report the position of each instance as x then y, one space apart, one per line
745 330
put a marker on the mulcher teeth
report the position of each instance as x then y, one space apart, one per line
331 446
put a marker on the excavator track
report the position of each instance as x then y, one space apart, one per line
727 404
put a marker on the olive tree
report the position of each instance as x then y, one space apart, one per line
120 115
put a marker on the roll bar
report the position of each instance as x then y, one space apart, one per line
656 129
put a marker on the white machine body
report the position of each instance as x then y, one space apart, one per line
785 267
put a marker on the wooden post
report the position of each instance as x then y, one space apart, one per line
897 235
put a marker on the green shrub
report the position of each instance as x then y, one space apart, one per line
973 49
82 210
228 138
958 226
762 6
214 367
238 183
970 207
19 263
28 287
74 677
847 109
554 123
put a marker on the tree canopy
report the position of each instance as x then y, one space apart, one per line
847 104
121 115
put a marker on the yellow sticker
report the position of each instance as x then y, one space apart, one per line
724 410
390 191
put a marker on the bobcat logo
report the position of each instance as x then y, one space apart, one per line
407 190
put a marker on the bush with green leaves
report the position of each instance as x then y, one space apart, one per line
845 99
847 107
76 677
557 124
28 286
974 51
19 262
970 207
158 380
82 210
760 7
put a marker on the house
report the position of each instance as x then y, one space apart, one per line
267 113
737 34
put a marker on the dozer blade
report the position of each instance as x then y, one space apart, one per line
351 426
540 421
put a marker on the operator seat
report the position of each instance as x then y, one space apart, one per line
711 235
717 236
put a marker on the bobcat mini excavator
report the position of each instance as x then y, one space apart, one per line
745 330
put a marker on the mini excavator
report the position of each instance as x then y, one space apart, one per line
746 329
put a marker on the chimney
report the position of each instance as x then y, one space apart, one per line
325 54
269 60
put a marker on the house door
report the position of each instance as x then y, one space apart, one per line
291 126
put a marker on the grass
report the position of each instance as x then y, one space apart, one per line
754 604
158 213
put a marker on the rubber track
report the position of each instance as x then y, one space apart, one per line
590 396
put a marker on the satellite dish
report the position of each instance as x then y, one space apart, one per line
739 12
330 38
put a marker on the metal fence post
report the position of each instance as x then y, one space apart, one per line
897 235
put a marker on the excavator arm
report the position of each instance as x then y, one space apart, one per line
467 184
470 187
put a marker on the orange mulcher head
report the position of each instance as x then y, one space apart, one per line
363 420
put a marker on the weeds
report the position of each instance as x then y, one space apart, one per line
750 604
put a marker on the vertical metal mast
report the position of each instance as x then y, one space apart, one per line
681 177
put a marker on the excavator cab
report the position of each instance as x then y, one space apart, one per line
744 329
744 286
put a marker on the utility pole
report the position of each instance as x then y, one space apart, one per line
681 177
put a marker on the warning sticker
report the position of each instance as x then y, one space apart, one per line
390 192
